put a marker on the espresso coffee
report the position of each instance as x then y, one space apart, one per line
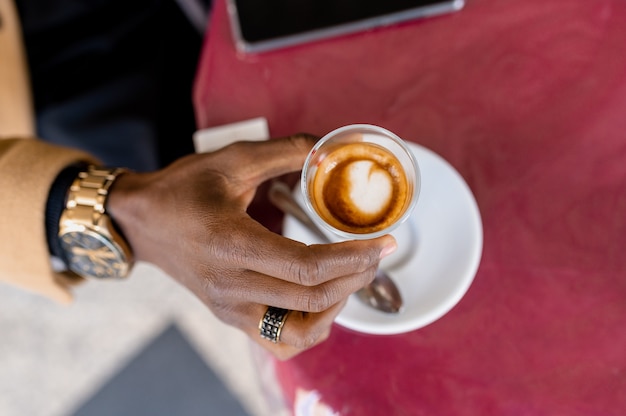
360 188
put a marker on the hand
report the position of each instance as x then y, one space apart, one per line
190 220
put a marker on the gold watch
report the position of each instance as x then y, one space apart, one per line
91 244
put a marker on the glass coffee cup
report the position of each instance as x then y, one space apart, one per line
360 181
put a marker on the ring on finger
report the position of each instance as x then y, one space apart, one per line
271 325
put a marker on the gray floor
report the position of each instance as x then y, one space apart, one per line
138 347
168 377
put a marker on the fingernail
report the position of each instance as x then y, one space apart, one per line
388 249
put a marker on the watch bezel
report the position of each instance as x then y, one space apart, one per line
120 256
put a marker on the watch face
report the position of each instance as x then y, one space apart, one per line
91 255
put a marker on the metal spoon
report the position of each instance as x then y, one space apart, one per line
381 293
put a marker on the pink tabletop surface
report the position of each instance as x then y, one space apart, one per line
527 100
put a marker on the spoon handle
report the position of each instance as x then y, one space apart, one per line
280 195
381 293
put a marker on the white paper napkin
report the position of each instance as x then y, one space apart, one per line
213 138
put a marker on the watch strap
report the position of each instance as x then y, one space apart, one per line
89 191
55 205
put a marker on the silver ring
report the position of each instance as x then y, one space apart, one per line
272 323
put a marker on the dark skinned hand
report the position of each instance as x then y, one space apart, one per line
190 220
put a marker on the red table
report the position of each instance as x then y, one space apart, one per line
527 100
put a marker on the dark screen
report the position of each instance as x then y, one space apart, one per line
267 19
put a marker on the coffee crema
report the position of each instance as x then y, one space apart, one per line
360 188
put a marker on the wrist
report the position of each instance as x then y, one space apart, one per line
125 207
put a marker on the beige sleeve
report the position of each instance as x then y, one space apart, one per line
27 169
16 112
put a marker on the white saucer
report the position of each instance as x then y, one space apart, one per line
439 252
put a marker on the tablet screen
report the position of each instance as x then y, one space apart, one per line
273 23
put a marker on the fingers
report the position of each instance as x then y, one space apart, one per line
300 330
314 306
298 263
256 288
330 279
260 161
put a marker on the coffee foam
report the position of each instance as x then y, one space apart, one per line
360 188
370 187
